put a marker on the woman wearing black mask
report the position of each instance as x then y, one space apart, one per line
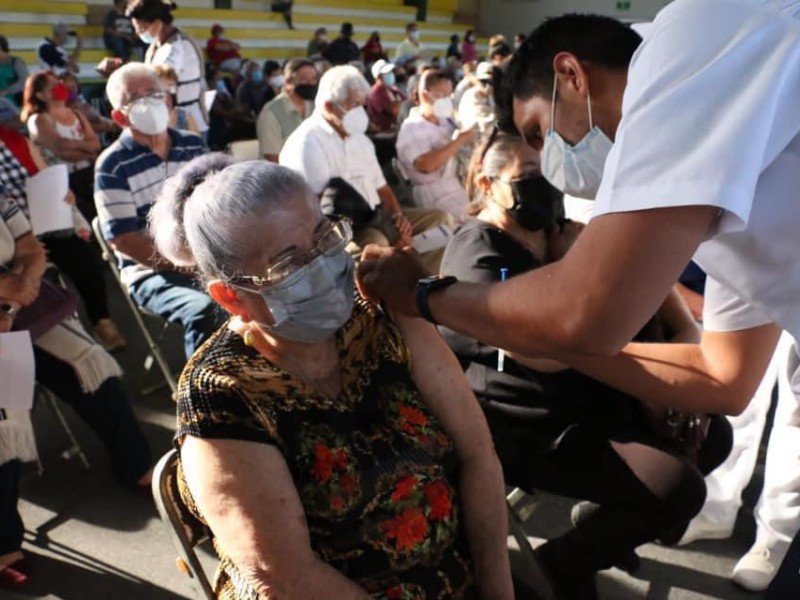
554 428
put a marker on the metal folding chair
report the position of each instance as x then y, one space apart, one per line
520 507
153 342
45 396
185 530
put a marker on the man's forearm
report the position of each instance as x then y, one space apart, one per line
436 159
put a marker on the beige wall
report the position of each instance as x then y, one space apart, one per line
512 16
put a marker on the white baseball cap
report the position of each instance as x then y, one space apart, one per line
484 71
381 67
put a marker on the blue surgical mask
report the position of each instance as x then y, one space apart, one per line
257 76
315 301
221 87
388 78
147 37
575 170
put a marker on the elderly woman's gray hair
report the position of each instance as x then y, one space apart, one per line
338 83
118 82
210 214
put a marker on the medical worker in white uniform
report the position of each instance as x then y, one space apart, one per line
705 163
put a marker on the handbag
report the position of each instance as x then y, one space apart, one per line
341 198
53 304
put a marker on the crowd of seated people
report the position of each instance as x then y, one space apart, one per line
358 449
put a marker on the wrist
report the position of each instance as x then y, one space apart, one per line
425 287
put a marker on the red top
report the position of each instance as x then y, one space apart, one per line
380 100
18 144
217 56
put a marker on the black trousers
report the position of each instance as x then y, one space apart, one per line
11 527
595 464
108 412
80 262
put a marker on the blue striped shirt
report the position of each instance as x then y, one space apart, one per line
128 178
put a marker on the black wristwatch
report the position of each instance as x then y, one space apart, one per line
425 287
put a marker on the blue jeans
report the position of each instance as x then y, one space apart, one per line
177 298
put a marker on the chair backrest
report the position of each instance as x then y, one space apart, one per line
185 530
245 150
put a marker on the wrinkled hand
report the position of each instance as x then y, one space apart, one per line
561 238
403 226
6 321
390 275
19 288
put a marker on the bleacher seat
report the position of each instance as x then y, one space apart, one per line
261 33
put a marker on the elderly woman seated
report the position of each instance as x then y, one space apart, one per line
335 452
556 429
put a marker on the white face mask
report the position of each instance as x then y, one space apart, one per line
150 116
147 37
276 81
355 120
575 170
443 108
413 35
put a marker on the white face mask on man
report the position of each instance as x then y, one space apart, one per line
442 108
575 170
355 120
148 115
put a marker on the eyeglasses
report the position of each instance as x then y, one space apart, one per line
332 240
153 95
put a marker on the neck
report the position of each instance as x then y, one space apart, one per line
166 31
427 113
158 143
607 90
534 241
333 122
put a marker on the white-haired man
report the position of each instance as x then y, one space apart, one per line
332 144
128 178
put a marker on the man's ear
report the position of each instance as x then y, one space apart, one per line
572 75
119 118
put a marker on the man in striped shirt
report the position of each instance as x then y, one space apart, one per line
128 178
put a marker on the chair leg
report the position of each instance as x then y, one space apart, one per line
74 448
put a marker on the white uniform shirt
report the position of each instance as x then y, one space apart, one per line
317 152
182 54
710 117
440 189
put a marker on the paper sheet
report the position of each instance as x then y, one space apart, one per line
208 99
46 192
432 239
16 370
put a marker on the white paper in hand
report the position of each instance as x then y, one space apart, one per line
16 370
432 239
208 99
46 192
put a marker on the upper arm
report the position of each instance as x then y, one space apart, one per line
444 388
42 131
37 157
247 496
614 278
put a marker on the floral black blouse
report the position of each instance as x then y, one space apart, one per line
375 472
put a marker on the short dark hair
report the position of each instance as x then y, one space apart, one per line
500 49
293 65
270 66
347 27
151 10
597 39
412 24
4 43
